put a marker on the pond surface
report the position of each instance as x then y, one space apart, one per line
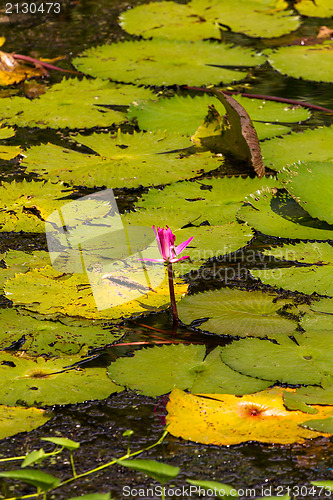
255 469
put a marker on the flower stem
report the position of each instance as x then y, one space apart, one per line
172 297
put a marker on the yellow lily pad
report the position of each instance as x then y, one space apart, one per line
225 419
14 420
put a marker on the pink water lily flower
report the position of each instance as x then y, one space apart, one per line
166 245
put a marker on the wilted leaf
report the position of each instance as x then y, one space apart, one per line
12 71
14 420
224 419
233 134
183 114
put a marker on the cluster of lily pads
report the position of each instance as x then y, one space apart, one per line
143 139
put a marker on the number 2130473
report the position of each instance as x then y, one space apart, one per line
33 8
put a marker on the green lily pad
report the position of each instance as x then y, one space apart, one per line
54 294
184 114
9 152
304 362
317 278
26 205
215 377
50 337
267 214
199 19
320 316
14 420
167 62
311 395
189 371
308 146
311 184
123 161
73 103
319 8
321 425
168 20
215 201
6 132
37 381
237 313
309 62
20 262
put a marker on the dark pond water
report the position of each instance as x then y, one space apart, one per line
99 426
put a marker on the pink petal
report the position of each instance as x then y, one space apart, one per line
183 245
179 258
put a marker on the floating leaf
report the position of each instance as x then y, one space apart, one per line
55 294
37 381
184 114
127 160
14 420
136 372
9 152
189 371
316 278
6 132
200 19
226 419
215 200
26 205
73 103
311 184
37 478
157 470
309 62
168 20
287 362
167 62
20 262
236 312
319 8
267 214
311 395
320 316
50 337
325 425
308 146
